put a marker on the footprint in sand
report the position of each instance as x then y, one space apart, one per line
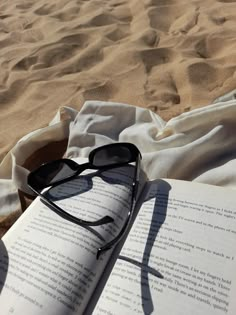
100 91
45 9
67 15
156 56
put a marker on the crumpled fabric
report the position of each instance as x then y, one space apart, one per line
199 145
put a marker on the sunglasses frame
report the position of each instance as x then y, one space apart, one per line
78 169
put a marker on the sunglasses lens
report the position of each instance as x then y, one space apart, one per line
51 173
112 155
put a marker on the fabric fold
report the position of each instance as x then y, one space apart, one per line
196 146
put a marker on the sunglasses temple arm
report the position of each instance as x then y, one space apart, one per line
71 218
130 214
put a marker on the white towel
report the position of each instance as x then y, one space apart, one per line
196 146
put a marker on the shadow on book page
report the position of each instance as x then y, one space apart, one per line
78 197
158 218
74 188
159 213
4 262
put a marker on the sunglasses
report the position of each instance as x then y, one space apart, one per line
102 158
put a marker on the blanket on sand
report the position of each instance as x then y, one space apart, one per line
196 146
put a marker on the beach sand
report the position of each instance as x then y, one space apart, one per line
170 56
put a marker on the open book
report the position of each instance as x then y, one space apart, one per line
177 258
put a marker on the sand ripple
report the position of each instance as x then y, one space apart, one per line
166 55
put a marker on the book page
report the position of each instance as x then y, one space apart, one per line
179 257
48 264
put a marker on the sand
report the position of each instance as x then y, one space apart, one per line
166 55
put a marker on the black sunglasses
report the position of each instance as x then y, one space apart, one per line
102 158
